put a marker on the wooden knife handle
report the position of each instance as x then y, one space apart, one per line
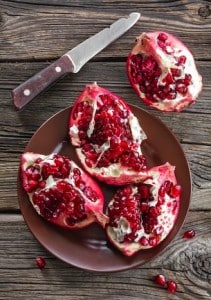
28 90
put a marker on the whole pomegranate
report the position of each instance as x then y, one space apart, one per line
60 191
163 73
107 136
141 215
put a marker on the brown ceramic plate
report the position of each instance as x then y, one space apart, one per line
88 248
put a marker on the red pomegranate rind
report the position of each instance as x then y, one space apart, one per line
60 191
162 71
142 215
107 136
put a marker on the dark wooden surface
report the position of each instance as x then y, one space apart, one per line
35 33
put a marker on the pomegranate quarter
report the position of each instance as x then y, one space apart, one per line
61 192
141 215
162 72
107 136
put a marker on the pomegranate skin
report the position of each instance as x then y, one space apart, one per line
141 215
107 136
162 71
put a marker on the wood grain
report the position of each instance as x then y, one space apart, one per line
61 26
185 261
35 33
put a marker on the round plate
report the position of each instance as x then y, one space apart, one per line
88 248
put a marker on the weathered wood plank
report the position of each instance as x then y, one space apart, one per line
185 261
61 25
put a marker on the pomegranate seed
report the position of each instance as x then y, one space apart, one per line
144 190
171 286
153 212
176 72
167 89
162 45
171 96
168 79
162 37
40 261
167 186
144 241
162 191
159 230
144 207
161 95
153 241
160 279
181 60
175 191
32 185
89 163
187 79
189 234
139 78
181 88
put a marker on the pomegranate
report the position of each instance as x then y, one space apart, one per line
107 136
163 73
60 191
142 214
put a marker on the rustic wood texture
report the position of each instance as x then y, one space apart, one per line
32 35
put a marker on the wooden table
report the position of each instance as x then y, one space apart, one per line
35 33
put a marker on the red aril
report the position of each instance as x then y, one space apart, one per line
189 234
171 286
163 73
60 191
40 262
107 136
141 215
160 279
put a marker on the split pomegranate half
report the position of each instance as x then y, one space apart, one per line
107 136
60 191
162 72
141 215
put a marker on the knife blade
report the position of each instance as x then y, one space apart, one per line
72 61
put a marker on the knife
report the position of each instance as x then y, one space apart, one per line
72 61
